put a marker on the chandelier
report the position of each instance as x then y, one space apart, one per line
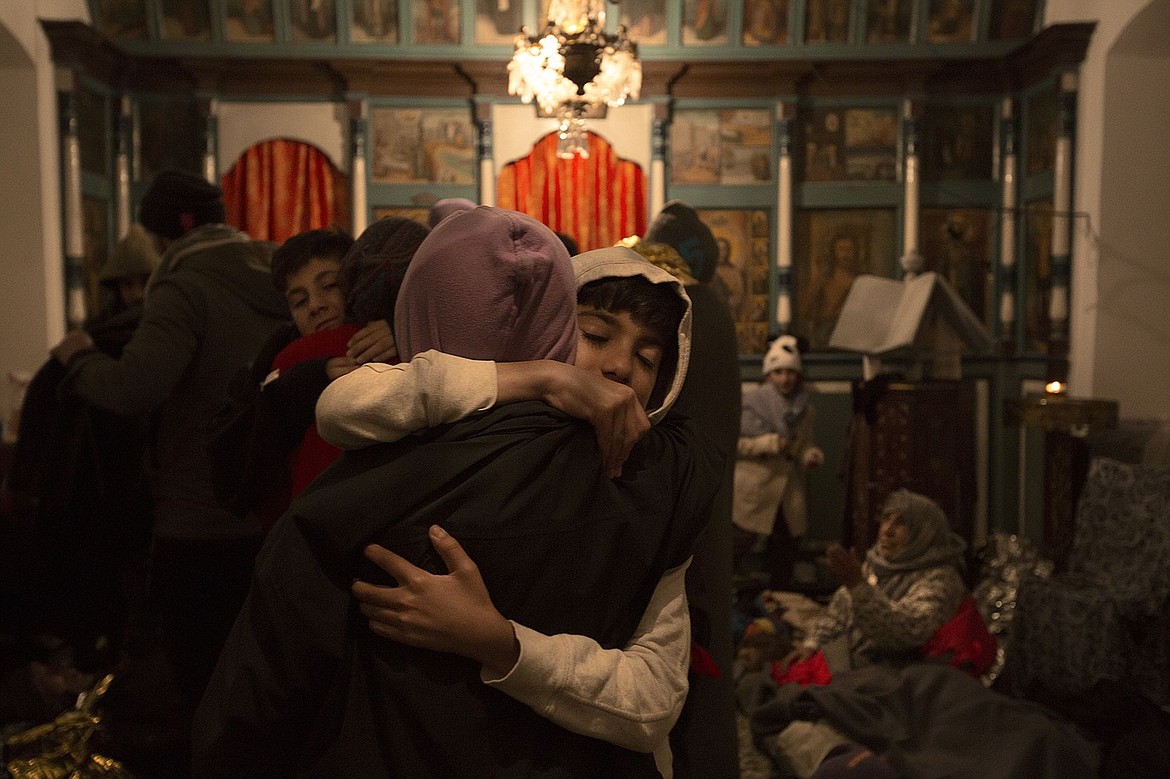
573 69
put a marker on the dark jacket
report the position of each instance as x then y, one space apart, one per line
303 686
81 471
209 307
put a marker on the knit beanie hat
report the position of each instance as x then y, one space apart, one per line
679 225
176 202
445 207
134 255
489 284
372 270
783 353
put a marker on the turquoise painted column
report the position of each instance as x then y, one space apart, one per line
72 220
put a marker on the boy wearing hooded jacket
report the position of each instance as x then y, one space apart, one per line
562 548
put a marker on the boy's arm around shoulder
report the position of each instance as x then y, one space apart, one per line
380 403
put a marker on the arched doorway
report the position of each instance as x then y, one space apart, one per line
280 187
598 200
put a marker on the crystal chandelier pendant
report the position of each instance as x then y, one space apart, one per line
573 67
571 140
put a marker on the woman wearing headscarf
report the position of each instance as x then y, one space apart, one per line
908 586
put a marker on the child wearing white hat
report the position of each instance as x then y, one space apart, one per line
775 454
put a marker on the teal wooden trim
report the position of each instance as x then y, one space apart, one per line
423 102
959 193
730 197
1034 186
343 45
819 194
861 101
674 23
347 49
95 185
721 103
411 195
734 25
233 97
981 21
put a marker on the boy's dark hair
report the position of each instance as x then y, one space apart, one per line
373 268
295 253
656 307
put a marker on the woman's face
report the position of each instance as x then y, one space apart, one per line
892 534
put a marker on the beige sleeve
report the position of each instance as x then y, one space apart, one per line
380 403
630 696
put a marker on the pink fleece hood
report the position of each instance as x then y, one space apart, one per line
489 284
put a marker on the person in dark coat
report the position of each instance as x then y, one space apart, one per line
209 307
704 740
80 472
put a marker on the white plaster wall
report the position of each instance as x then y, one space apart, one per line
1133 285
1090 195
241 125
515 128
32 302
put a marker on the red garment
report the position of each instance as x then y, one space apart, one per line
702 663
313 454
814 670
964 641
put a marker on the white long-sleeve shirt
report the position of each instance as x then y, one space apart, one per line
630 696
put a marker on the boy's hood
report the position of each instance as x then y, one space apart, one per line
622 262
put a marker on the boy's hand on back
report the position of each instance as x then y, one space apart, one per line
373 343
449 612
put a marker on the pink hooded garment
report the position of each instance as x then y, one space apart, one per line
489 284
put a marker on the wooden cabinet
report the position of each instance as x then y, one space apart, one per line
920 436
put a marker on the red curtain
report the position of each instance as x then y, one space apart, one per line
280 187
597 200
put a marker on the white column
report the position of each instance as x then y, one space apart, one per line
784 210
71 193
210 140
660 128
122 164
911 258
486 150
1062 215
358 184
1009 207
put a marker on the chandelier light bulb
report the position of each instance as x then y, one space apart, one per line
574 65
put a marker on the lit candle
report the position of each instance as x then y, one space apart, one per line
1054 388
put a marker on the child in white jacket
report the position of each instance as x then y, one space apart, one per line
775 454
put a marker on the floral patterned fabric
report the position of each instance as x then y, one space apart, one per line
1104 619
